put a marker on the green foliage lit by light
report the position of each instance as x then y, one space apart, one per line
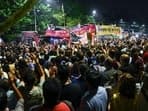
18 15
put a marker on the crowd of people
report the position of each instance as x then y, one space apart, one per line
112 75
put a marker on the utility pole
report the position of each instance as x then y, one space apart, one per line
35 20
64 15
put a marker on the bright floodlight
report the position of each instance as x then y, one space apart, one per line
94 12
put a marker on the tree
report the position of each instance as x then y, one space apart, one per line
19 15
11 20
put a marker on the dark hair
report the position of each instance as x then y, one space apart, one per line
83 68
125 58
112 53
74 59
63 73
89 53
3 99
75 69
61 52
11 58
52 53
29 77
4 84
51 92
93 78
135 52
32 49
68 53
108 62
127 86
21 64
80 55
101 58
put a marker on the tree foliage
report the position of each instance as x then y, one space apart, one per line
19 15
74 12
11 20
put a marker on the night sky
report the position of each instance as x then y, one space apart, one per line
114 10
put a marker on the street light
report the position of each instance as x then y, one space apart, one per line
94 13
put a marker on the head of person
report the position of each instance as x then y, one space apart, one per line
21 66
63 73
3 100
4 84
127 87
75 69
83 68
61 52
51 92
68 53
101 59
134 53
108 63
80 55
93 79
124 59
29 77
112 53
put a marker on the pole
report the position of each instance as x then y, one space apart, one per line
64 18
35 20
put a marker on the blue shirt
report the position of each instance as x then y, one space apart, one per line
94 100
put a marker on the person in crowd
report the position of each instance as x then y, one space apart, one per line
109 74
70 91
83 68
100 60
3 96
137 69
52 92
142 99
95 98
3 100
124 61
75 73
31 66
125 98
32 93
52 68
145 58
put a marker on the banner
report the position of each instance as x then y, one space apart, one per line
91 28
108 30
83 31
63 34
